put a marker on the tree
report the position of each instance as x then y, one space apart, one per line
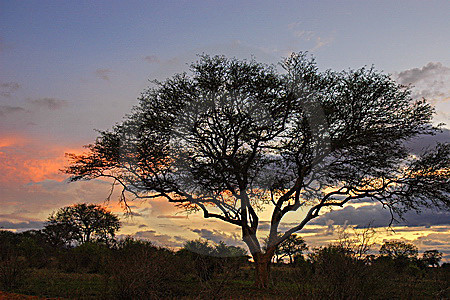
236 137
399 250
359 242
432 257
291 247
81 223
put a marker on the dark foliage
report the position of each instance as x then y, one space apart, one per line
140 270
81 223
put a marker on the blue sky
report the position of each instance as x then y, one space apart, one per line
68 67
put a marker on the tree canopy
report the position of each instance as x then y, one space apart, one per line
81 223
234 137
399 250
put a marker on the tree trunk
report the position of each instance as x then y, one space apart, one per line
262 269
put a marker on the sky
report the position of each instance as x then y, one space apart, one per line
68 68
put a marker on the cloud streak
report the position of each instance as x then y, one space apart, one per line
49 103
7 110
8 88
103 74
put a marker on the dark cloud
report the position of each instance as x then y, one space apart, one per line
7 110
49 103
152 59
21 225
7 88
377 216
431 81
423 142
103 74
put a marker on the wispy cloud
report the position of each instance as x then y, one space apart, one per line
103 74
309 36
321 42
171 217
49 103
7 110
152 59
8 88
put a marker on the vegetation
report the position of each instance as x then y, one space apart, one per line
81 223
234 137
135 269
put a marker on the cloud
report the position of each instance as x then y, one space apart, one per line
50 103
8 88
152 59
379 217
431 81
423 142
21 225
7 110
321 42
171 217
217 236
309 36
103 74
22 161
160 239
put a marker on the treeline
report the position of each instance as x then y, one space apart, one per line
135 269
78 252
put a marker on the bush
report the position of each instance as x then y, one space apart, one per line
209 260
333 273
139 270
89 257
12 272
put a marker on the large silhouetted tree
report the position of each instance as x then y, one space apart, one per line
81 223
234 137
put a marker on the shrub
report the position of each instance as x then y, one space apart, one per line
139 270
90 257
12 272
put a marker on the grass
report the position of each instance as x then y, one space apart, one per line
53 283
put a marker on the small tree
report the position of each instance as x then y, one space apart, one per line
432 257
81 223
399 250
357 242
291 247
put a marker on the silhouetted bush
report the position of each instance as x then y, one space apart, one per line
12 272
140 270
209 259
90 257
332 272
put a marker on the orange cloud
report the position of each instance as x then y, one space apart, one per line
25 160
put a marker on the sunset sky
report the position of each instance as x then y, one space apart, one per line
69 67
